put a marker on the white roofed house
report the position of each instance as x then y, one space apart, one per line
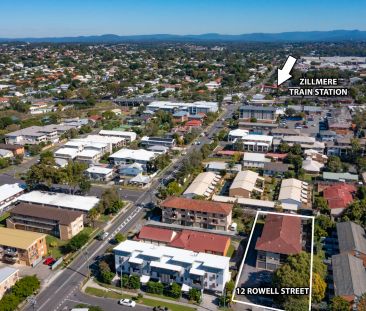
167 264
311 166
245 183
294 191
129 136
9 194
128 156
6 153
8 277
203 185
99 173
255 160
237 134
90 156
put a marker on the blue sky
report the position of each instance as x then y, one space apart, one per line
40 18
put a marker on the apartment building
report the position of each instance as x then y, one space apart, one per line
31 135
22 247
257 143
168 264
128 136
260 113
197 213
8 277
61 223
60 200
157 141
305 142
200 242
203 185
245 183
281 237
294 191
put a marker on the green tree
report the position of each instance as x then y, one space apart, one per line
334 164
321 205
296 149
84 185
175 290
134 282
339 304
283 147
195 295
77 242
119 237
296 304
362 303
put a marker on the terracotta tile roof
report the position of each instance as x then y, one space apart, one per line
156 234
201 242
339 195
281 235
197 205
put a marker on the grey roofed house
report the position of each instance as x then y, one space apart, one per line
349 275
276 167
351 237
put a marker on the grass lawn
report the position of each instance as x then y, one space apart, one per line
145 301
230 251
3 219
55 251
104 218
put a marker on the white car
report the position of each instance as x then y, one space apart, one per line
127 302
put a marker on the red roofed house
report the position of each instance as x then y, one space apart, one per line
197 213
339 196
281 237
186 239
193 123
95 118
157 236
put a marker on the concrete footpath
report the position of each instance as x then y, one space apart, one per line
207 303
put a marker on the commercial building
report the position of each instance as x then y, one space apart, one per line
281 237
245 183
196 213
203 185
128 156
167 265
22 247
60 200
192 108
61 223
294 191
352 240
260 113
9 194
8 277
196 241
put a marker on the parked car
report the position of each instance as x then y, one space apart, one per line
49 261
102 236
127 303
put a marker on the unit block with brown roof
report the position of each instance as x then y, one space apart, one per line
61 223
201 242
22 247
281 237
197 213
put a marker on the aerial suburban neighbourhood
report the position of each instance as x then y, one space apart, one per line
181 172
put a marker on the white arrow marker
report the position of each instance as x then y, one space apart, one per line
284 73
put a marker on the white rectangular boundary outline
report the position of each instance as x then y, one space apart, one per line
247 249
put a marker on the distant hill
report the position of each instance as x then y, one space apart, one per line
296 36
